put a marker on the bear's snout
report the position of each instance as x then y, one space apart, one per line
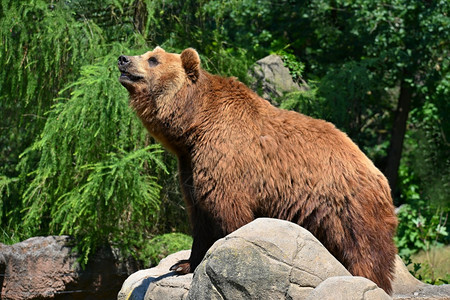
123 61
128 73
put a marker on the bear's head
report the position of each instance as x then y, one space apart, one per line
158 72
157 82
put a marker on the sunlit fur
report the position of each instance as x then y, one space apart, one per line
241 158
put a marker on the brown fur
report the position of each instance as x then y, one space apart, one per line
241 158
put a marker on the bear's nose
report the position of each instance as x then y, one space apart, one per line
123 61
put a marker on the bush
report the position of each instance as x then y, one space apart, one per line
162 245
420 229
96 178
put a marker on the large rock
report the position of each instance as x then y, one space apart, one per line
265 259
427 292
158 283
349 288
46 268
269 259
404 283
271 79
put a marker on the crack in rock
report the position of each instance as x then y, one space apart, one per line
214 282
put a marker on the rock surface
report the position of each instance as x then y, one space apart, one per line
406 286
158 282
265 259
46 268
404 283
427 292
269 259
271 79
349 288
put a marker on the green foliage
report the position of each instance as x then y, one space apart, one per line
87 168
5 183
425 271
422 225
228 62
306 102
352 94
30 33
230 16
424 221
347 96
94 181
291 62
172 214
420 229
4 186
74 159
40 47
427 152
162 245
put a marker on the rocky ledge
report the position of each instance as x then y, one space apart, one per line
269 259
47 268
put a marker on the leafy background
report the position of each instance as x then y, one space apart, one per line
74 159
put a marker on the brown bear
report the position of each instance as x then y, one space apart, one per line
241 158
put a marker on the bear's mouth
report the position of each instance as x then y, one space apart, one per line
125 76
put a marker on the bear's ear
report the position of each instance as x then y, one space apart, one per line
191 63
158 48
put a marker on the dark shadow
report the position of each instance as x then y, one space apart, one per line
2 274
142 288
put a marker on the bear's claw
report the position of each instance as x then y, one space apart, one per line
182 267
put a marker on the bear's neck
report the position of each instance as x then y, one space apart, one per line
177 120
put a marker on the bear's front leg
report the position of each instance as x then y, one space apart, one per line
199 249
205 232
212 223
219 212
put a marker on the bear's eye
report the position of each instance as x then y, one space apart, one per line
153 62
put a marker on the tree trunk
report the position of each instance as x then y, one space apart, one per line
398 134
140 15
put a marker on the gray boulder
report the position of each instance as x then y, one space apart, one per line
265 259
271 79
269 259
349 288
158 282
404 283
47 268
427 292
